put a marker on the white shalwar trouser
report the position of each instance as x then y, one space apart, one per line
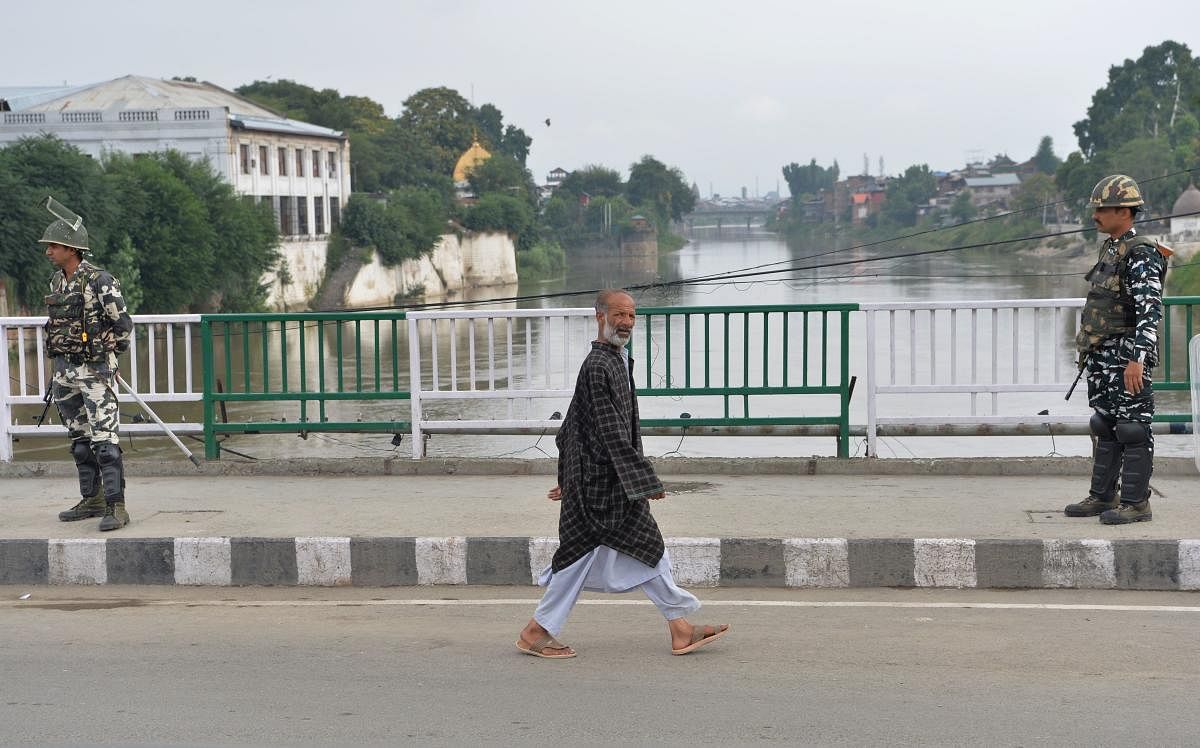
607 570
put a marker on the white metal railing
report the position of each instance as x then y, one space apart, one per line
159 366
1194 357
934 351
506 363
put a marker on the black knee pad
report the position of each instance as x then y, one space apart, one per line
82 452
112 470
1102 426
1133 434
88 467
108 453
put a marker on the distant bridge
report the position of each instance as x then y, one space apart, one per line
729 216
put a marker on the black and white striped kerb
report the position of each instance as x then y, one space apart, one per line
725 562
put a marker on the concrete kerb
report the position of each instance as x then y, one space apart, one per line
371 466
961 563
986 561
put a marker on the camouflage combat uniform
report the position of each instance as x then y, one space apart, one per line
1137 270
1119 324
87 328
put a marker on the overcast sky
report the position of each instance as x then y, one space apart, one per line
727 91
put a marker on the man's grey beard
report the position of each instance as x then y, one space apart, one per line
615 337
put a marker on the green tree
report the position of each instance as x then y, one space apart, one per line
31 169
655 186
908 191
962 209
1034 192
810 178
1143 98
404 226
505 175
1044 160
594 180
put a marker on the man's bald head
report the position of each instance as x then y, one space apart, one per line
607 296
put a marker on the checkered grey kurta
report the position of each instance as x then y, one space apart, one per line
605 479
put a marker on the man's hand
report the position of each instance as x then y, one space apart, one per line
1134 371
555 494
659 495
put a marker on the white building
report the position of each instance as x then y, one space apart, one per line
996 189
301 168
1186 226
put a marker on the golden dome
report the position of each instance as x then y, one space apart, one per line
472 157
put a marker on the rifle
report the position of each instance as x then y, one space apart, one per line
47 399
1082 367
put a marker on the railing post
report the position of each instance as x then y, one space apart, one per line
6 446
414 386
212 451
871 385
844 420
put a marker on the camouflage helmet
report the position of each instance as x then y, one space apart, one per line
68 230
61 232
1116 191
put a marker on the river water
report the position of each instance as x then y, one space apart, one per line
970 275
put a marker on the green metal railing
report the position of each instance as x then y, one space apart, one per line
1165 374
689 358
318 360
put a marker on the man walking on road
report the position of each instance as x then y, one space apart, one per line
1118 343
608 540
87 327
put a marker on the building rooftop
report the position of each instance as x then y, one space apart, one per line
140 92
995 180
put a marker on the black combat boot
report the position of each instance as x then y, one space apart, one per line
92 504
1135 475
112 468
1106 468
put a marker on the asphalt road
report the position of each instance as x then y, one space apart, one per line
140 665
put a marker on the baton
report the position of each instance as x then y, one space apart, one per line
156 419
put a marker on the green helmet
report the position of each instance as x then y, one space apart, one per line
61 232
68 230
1116 191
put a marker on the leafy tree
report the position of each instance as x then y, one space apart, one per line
908 191
809 179
442 118
962 209
405 226
498 212
655 186
31 169
594 180
505 175
1035 191
1044 160
1143 98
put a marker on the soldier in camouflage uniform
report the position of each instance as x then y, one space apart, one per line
87 327
1118 345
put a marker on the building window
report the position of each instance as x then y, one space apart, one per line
263 160
332 170
316 172
244 154
335 213
299 162
302 215
283 162
319 215
287 215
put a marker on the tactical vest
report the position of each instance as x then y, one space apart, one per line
70 330
1109 310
